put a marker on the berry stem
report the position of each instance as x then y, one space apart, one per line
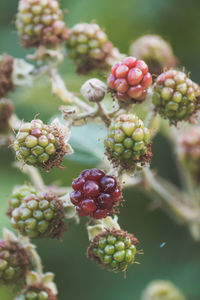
35 177
170 199
59 88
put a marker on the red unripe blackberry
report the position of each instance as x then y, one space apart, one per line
36 292
175 96
14 262
129 80
113 249
39 22
95 194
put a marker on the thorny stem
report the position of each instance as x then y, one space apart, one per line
185 213
59 88
37 262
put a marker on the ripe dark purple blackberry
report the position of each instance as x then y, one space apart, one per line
95 194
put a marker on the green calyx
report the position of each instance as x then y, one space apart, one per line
175 96
113 249
13 262
128 140
38 144
39 216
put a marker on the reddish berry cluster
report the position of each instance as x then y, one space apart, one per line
95 193
130 80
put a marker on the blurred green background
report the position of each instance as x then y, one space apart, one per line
179 261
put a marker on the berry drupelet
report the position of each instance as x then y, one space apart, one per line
40 145
95 194
6 111
129 80
113 249
39 22
128 142
14 262
89 46
39 216
155 51
175 96
36 292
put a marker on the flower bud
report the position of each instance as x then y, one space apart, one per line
93 90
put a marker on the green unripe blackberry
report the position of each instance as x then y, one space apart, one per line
40 145
128 142
175 96
113 249
14 262
89 46
36 292
155 51
19 193
39 216
162 290
39 22
6 71
6 111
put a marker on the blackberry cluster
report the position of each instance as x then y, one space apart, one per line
39 22
129 80
95 194
14 262
89 46
155 51
128 142
113 249
189 150
39 216
6 111
6 71
175 96
36 292
40 145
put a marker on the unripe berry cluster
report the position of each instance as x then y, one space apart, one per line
113 249
14 262
39 215
128 142
40 145
6 111
95 194
36 292
39 22
89 46
175 96
129 80
155 51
